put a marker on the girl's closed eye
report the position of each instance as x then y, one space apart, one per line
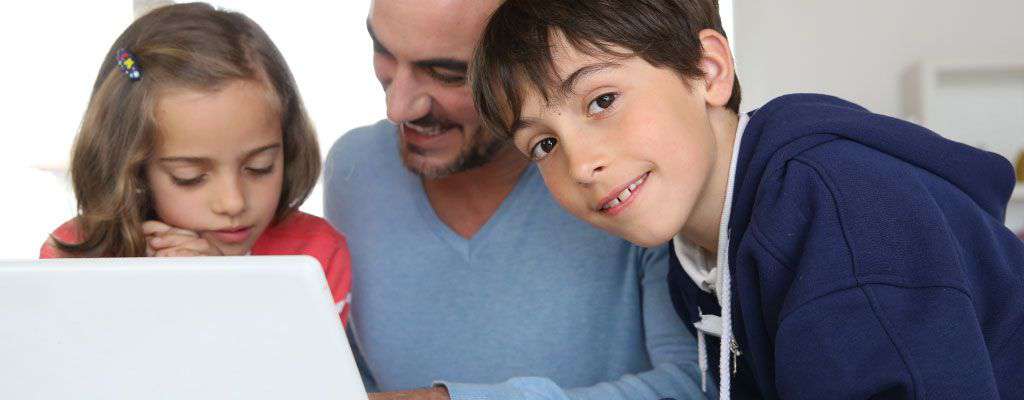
602 103
259 171
194 181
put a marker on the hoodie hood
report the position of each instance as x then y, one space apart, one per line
810 119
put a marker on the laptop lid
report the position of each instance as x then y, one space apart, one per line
172 328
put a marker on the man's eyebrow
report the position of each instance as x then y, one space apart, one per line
568 85
450 64
377 46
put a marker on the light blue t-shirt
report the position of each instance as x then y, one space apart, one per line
536 305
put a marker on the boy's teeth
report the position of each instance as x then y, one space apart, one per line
624 195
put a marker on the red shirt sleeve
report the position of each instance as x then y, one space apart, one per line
304 234
67 233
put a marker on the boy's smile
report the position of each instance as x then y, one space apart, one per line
627 146
618 200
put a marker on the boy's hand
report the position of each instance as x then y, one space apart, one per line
163 240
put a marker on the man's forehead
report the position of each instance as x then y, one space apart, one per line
444 27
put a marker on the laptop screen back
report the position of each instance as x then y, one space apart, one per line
179 328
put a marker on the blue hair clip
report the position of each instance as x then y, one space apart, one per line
126 61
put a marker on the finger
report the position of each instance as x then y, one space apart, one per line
157 228
198 246
154 227
169 240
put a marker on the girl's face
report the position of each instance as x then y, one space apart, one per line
627 147
219 162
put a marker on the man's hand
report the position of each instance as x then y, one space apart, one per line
163 240
434 393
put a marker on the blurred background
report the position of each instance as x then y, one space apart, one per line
956 67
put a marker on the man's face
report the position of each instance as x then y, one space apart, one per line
421 52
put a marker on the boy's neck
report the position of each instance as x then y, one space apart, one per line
702 226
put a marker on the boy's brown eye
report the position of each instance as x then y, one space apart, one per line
543 148
601 103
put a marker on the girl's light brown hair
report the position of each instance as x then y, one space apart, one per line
192 46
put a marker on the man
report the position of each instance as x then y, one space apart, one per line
469 281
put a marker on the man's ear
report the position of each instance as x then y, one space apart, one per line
718 67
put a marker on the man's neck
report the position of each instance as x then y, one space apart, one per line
466 200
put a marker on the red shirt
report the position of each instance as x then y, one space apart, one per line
299 234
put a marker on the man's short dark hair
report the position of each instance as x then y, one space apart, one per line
516 47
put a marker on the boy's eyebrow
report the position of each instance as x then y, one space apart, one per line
568 85
518 126
565 89
450 64
207 160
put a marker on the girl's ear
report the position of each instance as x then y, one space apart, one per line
718 67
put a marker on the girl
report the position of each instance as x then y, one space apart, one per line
195 143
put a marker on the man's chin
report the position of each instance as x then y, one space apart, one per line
429 167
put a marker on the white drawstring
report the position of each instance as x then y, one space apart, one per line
702 361
725 344
718 281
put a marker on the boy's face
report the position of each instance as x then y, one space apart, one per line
628 148
219 164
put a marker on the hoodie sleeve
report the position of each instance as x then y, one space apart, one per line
875 306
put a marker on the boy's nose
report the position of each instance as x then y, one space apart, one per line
407 99
586 162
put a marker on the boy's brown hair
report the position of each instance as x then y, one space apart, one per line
515 50
192 46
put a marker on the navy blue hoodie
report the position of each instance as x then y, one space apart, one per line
869 259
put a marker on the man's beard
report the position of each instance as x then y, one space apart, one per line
480 150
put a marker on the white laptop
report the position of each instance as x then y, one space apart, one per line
172 328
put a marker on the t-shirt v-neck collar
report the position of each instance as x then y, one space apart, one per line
464 246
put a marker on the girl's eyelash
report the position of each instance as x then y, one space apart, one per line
187 182
261 171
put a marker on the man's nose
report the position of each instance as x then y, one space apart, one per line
407 98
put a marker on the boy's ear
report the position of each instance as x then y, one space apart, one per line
718 67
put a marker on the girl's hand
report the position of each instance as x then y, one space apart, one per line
163 240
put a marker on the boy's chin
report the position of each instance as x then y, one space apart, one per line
643 238
648 241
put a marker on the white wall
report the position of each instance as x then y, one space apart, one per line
861 49
865 50
53 50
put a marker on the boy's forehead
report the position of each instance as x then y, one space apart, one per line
569 65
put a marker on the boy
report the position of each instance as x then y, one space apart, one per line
849 255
